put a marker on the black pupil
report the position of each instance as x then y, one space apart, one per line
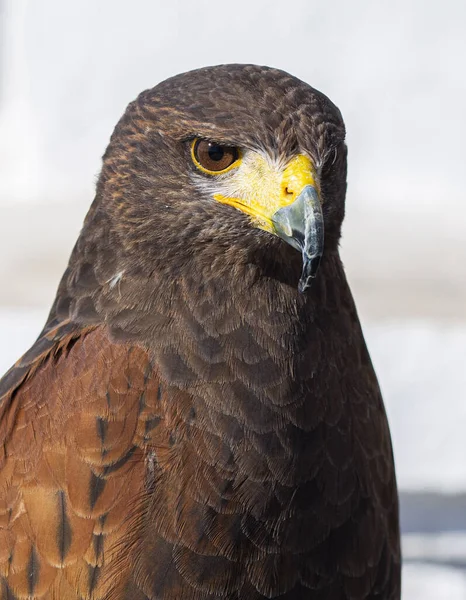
216 153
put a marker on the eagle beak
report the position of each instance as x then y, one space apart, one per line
285 203
301 224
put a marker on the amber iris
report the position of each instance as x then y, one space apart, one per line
213 157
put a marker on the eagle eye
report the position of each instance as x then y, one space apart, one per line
213 158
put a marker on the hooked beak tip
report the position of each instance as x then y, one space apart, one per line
310 268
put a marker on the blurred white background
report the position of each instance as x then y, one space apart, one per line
396 70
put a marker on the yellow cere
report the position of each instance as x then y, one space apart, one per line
259 187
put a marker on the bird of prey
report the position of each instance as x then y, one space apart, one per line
199 418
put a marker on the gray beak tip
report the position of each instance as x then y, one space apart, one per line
310 268
303 285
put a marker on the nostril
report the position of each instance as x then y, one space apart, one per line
288 191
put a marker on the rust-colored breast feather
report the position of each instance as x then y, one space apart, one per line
74 457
